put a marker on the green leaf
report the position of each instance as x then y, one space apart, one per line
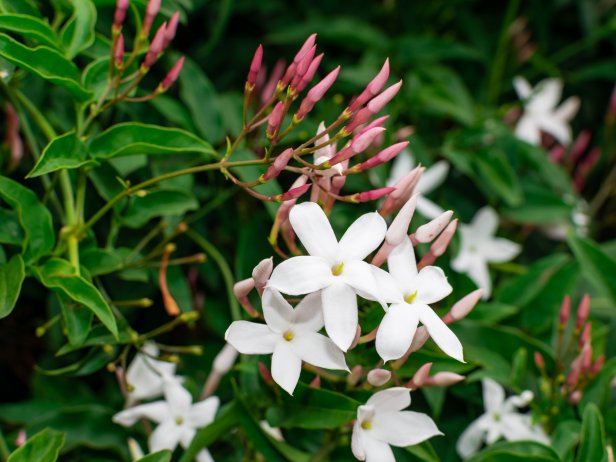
10 231
596 265
162 202
133 138
43 447
566 436
158 456
101 261
518 451
93 361
12 275
424 451
60 275
77 319
33 216
46 63
30 27
78 32
498 175
64 152
592 441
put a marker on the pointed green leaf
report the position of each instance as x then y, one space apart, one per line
78 33
77 319
517 451
64 152
592 444
43 447
597 266
46 63
30 27
33 216
158 456
10 230
162 202
12 275
60 275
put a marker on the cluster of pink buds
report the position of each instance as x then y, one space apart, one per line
156 47
574 366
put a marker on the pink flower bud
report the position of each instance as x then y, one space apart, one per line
241 290
384 156
295 192
120 13
360 118
316 93
585 337
579 146
421 337
375 123
439 246
150 13
225 359
13 138
292 69
316 382
565 309
582 311
356 338
429 231
584 168
575 397
539 361
118 54
597 365
270 86
378 102
265 373
574 376
397 231
557 153
463 307
262 272
372 89
371 195
404 190
308 75
445 379
419 379
173 74
255 66
355 375
275 120
378 377
586 357
280 162
156 47
171 29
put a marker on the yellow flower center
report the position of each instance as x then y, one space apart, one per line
337 270
366 424
179 420
288 335
411 297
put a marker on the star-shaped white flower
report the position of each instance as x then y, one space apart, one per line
416 291
335 268
501 419
381 422
541 113
430 179
177 416
146 376
478 247
291 336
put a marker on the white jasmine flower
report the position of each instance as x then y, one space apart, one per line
291 336
381 422
177 416
501 419
416 291
146 376
430 179
478 247
541 113
325 153
335 268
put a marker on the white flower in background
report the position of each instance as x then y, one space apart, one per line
478 247
177 416
325 153
501 419
291 336
381 422
335 268
146 375
541 113
417 290
430 179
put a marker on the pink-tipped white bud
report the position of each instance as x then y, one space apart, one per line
385 155
372 89
404 190
445 379
224 360
419 379
397 231
378 122
378 377
241 289
463 307
582 311
303 65
316 93
586 357
565 310
378 102
156 47
120 13
279 164
295 193
171 29
421 337
173 74
275 120
262 272
118 54
150 13
355 375
255 67
429 231
371 195
439 246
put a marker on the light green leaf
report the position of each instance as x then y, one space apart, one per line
12 275
133 138
78 32
162 202
517 451
498 176
158 456
60 275
33 216
596 265
46 63
30 27
64 152
43 447
592 444
77 319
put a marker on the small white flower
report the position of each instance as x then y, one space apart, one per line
381 422
177 416
335 268
146 376
430 179
501 419
541 113
416 291
325 153
478 247
291 336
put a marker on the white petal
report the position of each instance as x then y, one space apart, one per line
402 265
559 129
251 338
389 292
362 237
178 397
499 250
528 130
204 456
156 412
428 209
516 427
187 435
404 428
431 285
485 222
567 110
340 314
377 451
522 87
493 395
545 95
433 177
203 412
440 333
308 314
391 399
301 275
470 440
357 442
277 312
326 152
403 163
396 331
166 436
318 350
286 367
360 276
494 432
312 228
480 275
142 377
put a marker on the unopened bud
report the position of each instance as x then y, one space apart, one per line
294 193
309 74
225 359
439 246
539 361
372 89
445 379
275 120
419 379
173 75
575 397
118 54
397 231
371 195
565 309
316 382
265 373
429 231
404 190
316 93
420 338
582 311
356 338
150 13
156 47
255 67
378 377
463 307
355 375
585 337
279 164
189 316
586 357
262 272
378 102
384 156
241 289
597 365
292 69
21 438
120 13
171 29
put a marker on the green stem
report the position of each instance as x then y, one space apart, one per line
4 449
225 270
36 115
